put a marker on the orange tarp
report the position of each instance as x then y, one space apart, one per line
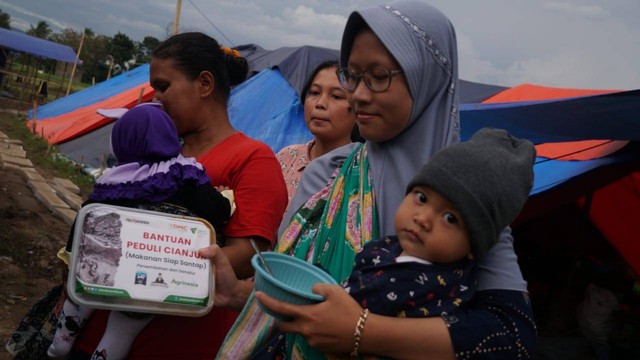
573 150
59 129
579 150
529 92
615 207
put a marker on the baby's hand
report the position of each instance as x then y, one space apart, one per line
221 188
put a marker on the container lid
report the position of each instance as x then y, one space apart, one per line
143 261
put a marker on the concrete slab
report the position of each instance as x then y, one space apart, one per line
13 152
12 167
67 215
58 188
32 175
15 160
74 201
14 146
13 141
68 184
40 186
50 199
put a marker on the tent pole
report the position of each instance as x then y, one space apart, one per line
75 63
110 68
140 96
35 117
176 20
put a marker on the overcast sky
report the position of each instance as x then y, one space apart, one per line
564 43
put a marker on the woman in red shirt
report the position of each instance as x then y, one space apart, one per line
192 77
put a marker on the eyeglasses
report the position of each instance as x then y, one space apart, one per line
377 79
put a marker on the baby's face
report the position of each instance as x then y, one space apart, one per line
430 227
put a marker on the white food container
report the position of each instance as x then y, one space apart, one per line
141 261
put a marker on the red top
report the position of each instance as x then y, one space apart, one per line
250 169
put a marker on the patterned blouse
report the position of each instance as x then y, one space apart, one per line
293 160
409 288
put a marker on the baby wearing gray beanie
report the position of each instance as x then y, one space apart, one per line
422 270
487 178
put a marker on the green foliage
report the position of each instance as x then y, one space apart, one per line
97 50
68 37
150 44
5 20
122 48
146 48
42 30
88 32
93 54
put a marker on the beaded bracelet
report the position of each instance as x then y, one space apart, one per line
358 332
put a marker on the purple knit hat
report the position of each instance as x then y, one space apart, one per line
150 167
145 134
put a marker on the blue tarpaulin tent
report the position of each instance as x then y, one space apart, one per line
267 107
609 116
280 120
96 93
22 42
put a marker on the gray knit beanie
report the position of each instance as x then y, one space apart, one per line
487 178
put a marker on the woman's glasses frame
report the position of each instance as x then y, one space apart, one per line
376 79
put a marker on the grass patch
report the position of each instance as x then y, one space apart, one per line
30 85
43 155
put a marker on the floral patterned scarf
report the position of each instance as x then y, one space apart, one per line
331 228
328 230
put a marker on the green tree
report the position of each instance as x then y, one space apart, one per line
5 20
97 50
42 30
93 55
88 32
150 44
67 37
122 48
145 48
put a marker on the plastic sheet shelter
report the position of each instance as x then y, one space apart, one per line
22 42
587 140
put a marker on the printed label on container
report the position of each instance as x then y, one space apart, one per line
143 256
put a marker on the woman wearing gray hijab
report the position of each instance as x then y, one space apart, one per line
399 63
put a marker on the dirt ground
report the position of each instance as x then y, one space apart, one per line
30 236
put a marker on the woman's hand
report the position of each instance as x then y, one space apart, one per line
328 326
229 291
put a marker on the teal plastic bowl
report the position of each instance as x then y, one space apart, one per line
292 281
